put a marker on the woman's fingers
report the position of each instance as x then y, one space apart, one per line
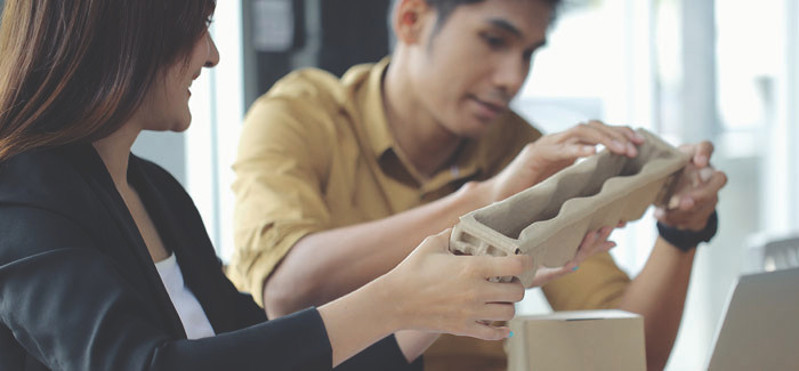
543 274
603 233
455 295
593 242
502 292
505 266
591 238
438 242
493 312
443 292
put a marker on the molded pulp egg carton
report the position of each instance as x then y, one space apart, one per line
549 220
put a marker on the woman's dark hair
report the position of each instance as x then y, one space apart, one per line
76 70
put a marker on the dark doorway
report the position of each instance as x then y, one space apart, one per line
329 34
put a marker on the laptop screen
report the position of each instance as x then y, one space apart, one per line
760 330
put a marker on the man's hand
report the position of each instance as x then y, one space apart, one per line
696 195
552 153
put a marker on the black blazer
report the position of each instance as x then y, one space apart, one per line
79 291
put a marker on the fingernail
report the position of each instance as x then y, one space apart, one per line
575 268
619 146
632 150
510 335
701 159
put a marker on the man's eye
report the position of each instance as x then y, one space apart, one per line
494 41
528 54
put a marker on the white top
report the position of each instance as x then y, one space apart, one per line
191 313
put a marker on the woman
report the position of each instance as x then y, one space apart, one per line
104 261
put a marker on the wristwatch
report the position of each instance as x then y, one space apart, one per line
686 239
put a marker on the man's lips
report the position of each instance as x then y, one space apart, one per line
493 107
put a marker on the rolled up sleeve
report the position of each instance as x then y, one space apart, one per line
598 284
279 189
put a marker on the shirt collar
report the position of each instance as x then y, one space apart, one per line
471 158
374 112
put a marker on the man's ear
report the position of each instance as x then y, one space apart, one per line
410 18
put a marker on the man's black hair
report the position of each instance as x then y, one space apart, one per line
446 7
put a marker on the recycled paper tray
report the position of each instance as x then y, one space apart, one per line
548 220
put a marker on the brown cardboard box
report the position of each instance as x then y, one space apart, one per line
583 340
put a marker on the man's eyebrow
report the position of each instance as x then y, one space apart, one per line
509 27
505 25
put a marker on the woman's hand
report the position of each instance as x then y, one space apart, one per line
437 291
593 242
554 152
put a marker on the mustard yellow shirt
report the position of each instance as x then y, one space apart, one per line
316 153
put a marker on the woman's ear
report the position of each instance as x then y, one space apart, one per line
409 20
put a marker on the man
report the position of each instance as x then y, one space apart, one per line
339 179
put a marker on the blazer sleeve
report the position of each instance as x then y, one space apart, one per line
385 355
69 306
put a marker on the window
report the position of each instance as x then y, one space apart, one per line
726 71
218 111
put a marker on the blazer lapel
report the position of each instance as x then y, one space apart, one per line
186 237
98 177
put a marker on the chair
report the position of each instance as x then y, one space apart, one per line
775 254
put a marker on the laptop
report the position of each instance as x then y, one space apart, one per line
760 330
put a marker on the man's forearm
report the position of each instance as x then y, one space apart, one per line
658 293
329 264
